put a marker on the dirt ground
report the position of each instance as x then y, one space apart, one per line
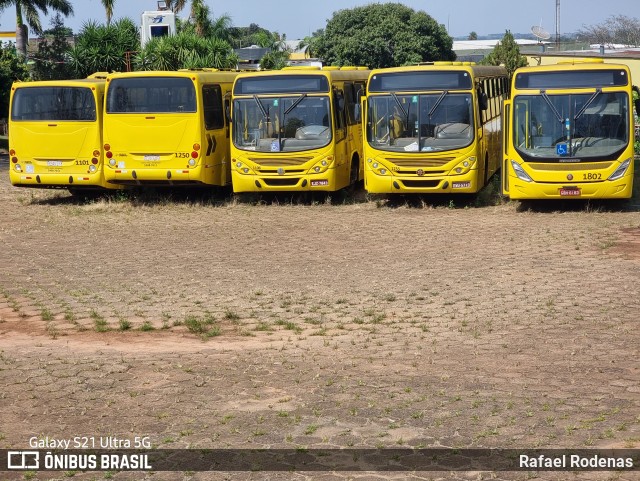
365 324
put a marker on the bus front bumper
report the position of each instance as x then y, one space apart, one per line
322 182
617 189
427 184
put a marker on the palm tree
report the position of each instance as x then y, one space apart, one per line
28 10
108 8
200 16
176 5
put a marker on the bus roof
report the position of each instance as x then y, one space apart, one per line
331 73
83 82
475 70
573 65
200 74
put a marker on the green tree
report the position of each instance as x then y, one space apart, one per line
12 67
101 48
278 54
52 60
245 36
28 11
108 9
185 50
507 53
201 24
473 36
200 16
383 35
310 43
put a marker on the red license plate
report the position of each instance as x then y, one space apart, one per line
569 192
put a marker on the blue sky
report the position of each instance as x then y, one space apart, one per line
298 18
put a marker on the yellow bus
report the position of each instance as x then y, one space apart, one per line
168 128
433 128
55 134
297 129
569 132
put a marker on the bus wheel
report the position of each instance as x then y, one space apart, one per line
486 170
84 194
353 174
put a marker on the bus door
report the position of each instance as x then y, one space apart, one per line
214 152
340 137
353 96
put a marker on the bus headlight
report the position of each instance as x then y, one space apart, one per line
379 168
620 171
465 166
112 162
18 168
192 162
242 168
322 166
520 173
93 169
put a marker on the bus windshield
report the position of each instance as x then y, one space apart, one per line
592 125
420 123
282 124
151 94
54 104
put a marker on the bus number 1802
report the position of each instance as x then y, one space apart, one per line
592 176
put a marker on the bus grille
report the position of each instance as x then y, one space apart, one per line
428 162
286 182
566 166
421 183
414 172
280 162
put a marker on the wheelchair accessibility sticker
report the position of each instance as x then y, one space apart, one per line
562 149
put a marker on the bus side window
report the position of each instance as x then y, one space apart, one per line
212 107
339 109
349 102
360 88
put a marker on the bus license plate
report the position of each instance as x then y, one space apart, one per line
54 163
569 192
152 157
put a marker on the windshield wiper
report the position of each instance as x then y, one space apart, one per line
295 104
404 112
438 102
261 107
544 95
586 105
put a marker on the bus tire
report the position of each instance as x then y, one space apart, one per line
355 171
486 170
